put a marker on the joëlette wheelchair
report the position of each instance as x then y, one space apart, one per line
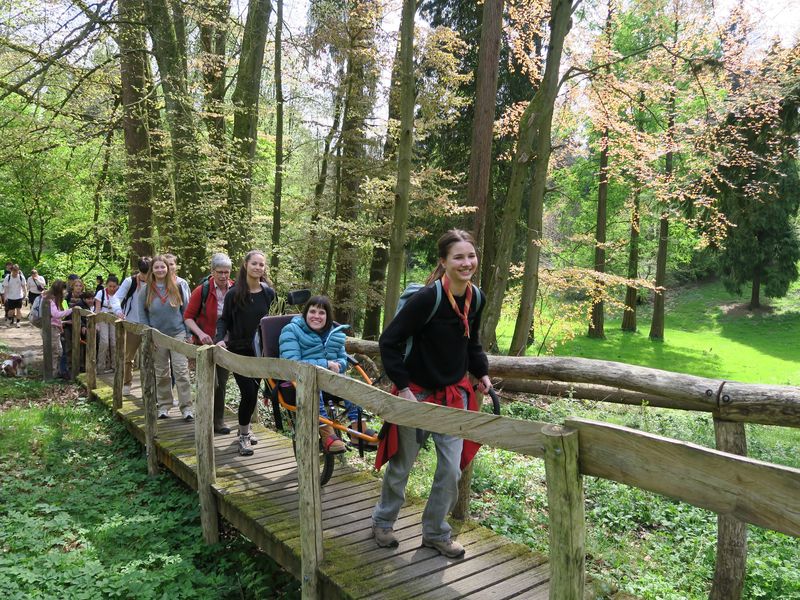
280 396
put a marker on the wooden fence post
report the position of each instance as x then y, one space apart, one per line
47 341
307 444
91 351
148 376
566 508
119 362
731 561
461 509
204 441
75 365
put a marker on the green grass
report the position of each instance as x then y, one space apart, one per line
703 336
80 518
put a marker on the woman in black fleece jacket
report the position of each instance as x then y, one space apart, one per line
442 320
244 306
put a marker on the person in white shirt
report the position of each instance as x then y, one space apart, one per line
106 333
36 286
15 290
125 305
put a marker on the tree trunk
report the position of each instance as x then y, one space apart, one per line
531 126
596 325
313 253
530 283
480 159
278 191
657 324
191 221
245 123
755 292
631 292
135 82
397 240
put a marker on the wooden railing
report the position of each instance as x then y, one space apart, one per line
733 486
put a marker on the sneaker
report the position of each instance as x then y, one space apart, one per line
18 324
126 389
163 413
447 548
384 537
244 446
188 415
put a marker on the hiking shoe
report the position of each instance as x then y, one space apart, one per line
447 548
384 537
244 446
253 439
18 325
126 389
223 430
188 415
163 413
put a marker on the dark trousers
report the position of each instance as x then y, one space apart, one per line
220 382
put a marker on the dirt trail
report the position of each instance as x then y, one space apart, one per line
25 338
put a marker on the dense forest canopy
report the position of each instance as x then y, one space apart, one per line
601 150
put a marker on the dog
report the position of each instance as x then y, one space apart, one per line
15 366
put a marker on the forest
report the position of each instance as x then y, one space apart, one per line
601 151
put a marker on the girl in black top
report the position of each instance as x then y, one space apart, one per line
445 348
244 306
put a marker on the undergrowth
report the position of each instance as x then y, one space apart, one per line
80 518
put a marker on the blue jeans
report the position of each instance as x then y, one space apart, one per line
444 490
325 397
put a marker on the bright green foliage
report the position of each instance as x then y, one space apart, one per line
80 518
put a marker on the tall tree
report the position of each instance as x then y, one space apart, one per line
278 187
406 139
535 122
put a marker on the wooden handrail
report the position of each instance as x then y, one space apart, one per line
753 491
728 400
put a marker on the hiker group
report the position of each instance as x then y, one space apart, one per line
428 350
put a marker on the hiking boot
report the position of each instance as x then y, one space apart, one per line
223 429
244 445
447 548
188 415
384 537
330 441
163 413
253 439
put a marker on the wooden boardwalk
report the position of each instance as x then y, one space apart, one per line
258 495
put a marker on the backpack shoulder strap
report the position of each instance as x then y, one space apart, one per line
437 285
205 289
476 292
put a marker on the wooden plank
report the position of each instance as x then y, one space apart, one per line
204 439
731 559
530 584
119 362
520 436
753 491
91 351
260 368
307 444
149 399
565 507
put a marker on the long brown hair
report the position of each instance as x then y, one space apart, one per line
173 293
242 294
448 239
56 292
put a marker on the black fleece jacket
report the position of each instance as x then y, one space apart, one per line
441 354
240 322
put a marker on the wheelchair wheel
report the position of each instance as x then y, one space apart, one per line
326 463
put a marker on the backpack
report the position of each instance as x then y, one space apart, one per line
35 316
413 288
206 289
129 294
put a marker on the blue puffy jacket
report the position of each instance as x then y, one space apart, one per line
301 343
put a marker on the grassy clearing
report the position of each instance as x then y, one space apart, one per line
80 518
708 333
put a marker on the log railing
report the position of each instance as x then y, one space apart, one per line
733 486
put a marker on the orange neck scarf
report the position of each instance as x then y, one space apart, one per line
467 302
